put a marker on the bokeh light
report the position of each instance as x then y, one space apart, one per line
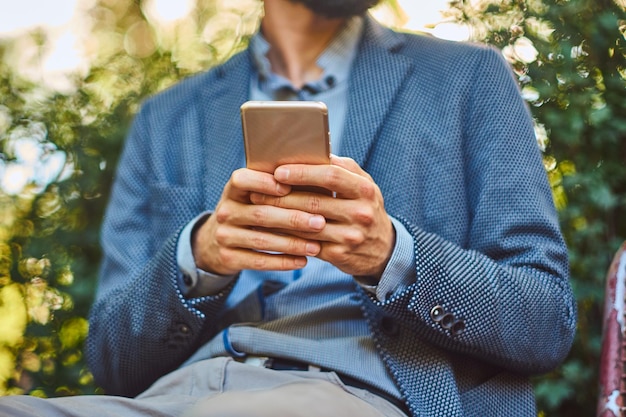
424 17
18 16
167 11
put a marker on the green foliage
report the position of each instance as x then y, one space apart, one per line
49 248
575 82
569 56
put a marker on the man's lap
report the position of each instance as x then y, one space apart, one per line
217 387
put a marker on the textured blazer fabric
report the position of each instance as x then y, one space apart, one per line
443 131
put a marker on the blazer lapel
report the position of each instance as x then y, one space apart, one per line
377 73
223 94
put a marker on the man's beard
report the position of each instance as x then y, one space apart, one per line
338 8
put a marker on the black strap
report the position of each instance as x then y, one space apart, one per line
280 364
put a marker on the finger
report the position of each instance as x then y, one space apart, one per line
265 241
337 233
243 181
331 177
304 201
268 216
253 260
349 164
355 252
340 210
328 208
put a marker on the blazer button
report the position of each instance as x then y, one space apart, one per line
457 328
389 326
447 320
437 313
184 329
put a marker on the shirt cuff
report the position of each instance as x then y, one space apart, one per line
192 281
400 271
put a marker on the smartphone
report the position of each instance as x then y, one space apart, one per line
285 132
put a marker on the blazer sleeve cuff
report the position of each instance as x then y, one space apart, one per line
192 281
400 271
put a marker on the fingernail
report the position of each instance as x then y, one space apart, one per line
282 188
317 222
311 249
281 174
256 198
300 262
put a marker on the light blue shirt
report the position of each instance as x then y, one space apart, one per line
311 315
331 88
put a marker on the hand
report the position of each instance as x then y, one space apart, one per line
238 233
358 237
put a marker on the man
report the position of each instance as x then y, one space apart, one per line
433 284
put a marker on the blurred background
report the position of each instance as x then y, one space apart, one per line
73 73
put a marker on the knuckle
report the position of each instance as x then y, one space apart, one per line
296 246
367 189
338 255
222 214
332 177
259 261
314 204
259 242
353 238
259 214
236 178
225 256
221 235
295 220
286 263
274 201
364 215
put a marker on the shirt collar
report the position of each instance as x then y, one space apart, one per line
335 61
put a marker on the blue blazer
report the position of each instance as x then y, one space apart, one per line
442 129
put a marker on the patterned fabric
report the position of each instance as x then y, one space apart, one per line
442 129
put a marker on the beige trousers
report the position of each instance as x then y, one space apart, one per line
219 387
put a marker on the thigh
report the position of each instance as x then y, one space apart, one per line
306 398
258 392
218 388
170 396
94 405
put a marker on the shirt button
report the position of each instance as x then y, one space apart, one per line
187 280
330 81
